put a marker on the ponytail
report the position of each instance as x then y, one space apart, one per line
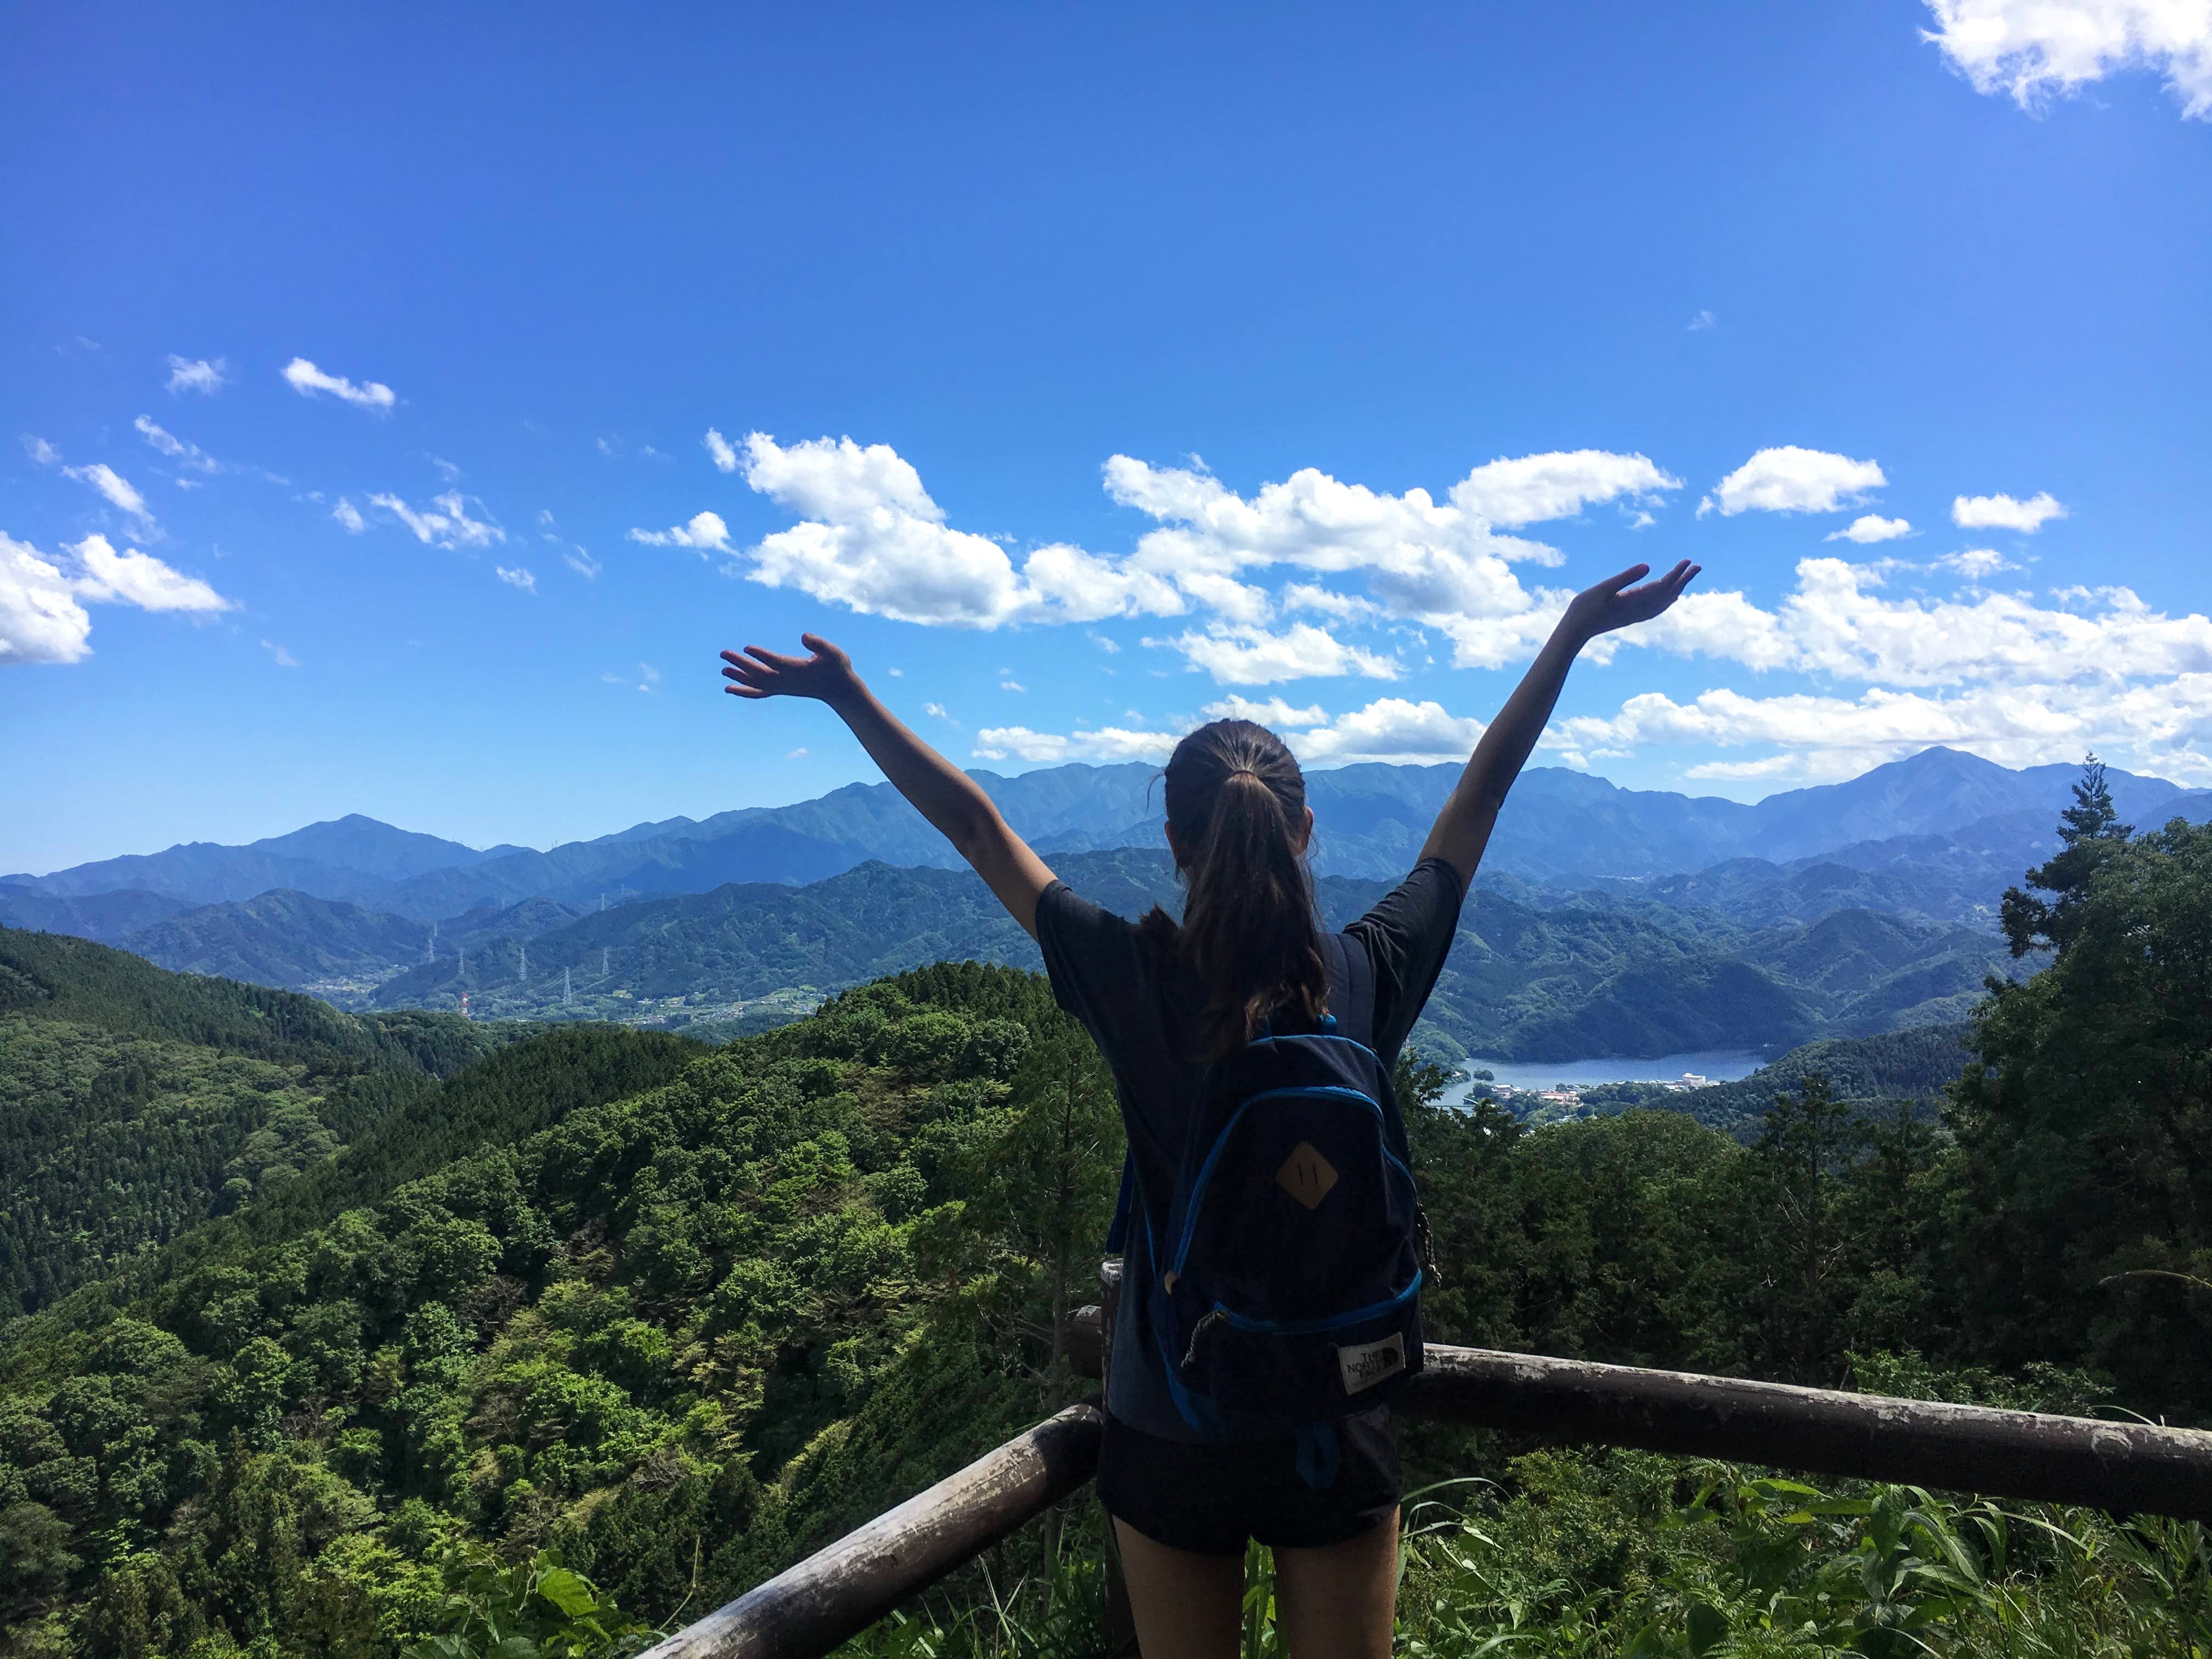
1237 800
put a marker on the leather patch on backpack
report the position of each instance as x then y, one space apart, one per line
1306 1176
1371 1362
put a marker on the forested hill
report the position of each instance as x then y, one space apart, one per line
687 1332
1912 1069
135 1102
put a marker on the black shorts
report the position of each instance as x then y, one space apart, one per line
1209 1498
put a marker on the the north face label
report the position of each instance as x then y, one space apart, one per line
1371 1362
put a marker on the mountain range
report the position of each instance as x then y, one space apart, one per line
1559 825
1608 921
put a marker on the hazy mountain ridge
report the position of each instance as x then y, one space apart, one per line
1559 825
1556 979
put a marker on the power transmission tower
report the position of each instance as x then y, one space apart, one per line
524 950
430 949
564 987
602 961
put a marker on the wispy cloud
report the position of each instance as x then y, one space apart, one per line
726 456
114 486
200 374
448 524
706 534
40 451
1701 322
582 563
177 449
348 515
517 576
279 655
304 378
1976 563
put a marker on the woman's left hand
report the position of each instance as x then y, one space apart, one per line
1613 603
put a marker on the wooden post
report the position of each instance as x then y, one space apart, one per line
842 1590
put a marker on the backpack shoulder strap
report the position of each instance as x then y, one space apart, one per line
1117 1235
1350 986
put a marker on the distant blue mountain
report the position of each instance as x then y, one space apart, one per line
1962 817
353 858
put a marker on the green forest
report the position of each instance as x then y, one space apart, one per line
581 1331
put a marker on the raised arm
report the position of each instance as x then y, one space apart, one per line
939 790
1462 829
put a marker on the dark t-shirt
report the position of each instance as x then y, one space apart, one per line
1142 1011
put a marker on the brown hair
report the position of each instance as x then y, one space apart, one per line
1237 800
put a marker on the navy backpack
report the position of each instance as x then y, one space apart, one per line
1287 1293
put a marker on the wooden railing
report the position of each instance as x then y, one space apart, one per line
2128 1467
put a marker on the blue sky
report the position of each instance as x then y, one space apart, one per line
1142 324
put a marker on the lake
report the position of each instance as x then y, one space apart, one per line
1716 1065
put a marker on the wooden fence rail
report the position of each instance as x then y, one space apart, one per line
2127 1467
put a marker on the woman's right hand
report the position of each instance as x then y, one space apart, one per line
1613 604
826 675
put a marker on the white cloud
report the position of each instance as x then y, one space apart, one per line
797 754
448 525
1271 712
1111 646
111 485
2035 50
40 620
279 655
198 373
1011 685
134 578
1311 596
40 451
937 710
42 600
177 449
516 576
1870 527
2165 728
582 563
304 378
1838 622
1788 479
1976 563
1557 485
446 470
1701 322
2003 513
348 515
706 532
1111 742
873 540
1251 656
726 457
1391 729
